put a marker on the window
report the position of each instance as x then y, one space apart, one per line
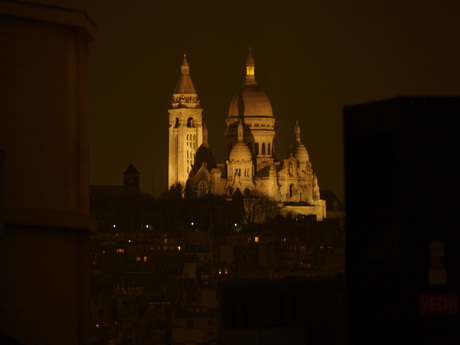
202 189
268 149
190 122
291 190
256 145
263 148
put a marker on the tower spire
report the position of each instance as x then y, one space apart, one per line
185 94
185 68
250 69
205 136
240 131
297 131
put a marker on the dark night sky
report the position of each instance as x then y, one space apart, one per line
312 58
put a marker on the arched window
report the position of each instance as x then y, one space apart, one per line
291 190
291 169
177 123
247 191
256 145
191 122
268 149
230 191
263 148
202 189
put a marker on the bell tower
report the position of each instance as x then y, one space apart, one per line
185 128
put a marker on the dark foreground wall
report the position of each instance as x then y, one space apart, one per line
44 213
403 249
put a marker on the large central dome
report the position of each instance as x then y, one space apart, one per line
250 101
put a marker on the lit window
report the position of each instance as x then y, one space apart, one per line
138 258
129 241
119 250
256 239
178 248
145 259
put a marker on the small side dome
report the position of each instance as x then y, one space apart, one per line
299 152
297 149
204 155
240 152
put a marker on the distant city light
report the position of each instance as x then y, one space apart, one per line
191 223
114 225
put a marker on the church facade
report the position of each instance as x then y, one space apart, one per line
251 166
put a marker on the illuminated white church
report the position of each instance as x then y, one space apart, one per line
251 167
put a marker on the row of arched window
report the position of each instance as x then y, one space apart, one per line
264 149
190 122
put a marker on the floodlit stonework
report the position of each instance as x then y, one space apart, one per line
251 166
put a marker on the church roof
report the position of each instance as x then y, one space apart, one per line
131 170
204 156
185 84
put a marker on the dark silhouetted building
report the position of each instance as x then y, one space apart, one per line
45 223
402 165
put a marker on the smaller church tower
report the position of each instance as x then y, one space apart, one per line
185 128
131 179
